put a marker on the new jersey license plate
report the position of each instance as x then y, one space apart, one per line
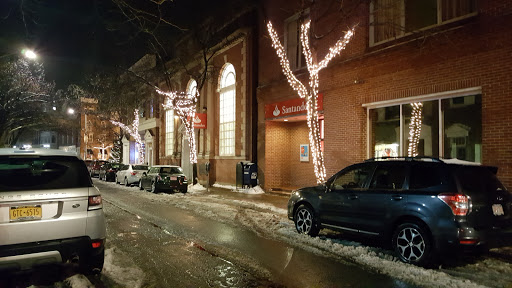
21 213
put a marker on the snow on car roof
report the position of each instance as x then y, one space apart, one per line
460 162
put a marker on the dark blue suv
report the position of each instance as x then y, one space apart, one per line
422 206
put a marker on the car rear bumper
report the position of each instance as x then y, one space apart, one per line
163 186
28 255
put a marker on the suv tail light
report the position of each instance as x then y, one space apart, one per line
94 202
133 173
458 202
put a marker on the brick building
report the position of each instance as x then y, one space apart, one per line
224 129
452 57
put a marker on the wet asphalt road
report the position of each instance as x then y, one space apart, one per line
176 248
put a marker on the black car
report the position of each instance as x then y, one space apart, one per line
421 206
168 178
108 171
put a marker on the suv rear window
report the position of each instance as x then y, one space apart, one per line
41 173
475 180
140 167
431 177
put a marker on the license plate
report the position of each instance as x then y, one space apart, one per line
25 213
174 178
497 210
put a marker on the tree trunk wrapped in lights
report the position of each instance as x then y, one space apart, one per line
134 132
185 106
415 129
310 93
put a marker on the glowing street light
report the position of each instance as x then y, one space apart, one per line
30 54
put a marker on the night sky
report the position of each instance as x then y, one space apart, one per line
75 37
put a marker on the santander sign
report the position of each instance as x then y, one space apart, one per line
291 107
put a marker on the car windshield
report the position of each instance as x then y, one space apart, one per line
41 173
171 170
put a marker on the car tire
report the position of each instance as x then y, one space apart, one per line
184 190
140 185
91 265
412 244
305 221
126 182
153 187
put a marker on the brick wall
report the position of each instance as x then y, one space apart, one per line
475 52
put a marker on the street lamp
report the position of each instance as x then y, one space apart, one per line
29 54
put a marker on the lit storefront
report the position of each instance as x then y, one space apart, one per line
448 125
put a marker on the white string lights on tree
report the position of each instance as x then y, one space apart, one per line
102 150
415 129
310 93
134 132
185 106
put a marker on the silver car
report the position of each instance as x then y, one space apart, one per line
49 211
130 174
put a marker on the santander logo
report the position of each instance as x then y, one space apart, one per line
276 112
197 120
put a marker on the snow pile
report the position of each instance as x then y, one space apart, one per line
127 276
254 190
197 188
78 281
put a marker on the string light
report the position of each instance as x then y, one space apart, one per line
185 106
102 149
415 129
134 132
310 94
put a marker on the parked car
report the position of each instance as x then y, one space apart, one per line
130 174
49 211
421 206
108 171
94 167
164 178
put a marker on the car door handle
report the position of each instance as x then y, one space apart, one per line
353 197
397 197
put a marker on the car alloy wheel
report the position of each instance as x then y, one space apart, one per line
305 221
412 244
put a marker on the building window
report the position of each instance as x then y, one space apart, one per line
445 128
292 40
391 19
169 132
192 87
227 111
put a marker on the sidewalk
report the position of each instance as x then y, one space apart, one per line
278 199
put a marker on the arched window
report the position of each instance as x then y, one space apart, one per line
169 132
192 87
227 111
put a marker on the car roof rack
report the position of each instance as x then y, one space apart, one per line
405 158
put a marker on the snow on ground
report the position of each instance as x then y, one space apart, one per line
116 269
253 190
271 221
78 281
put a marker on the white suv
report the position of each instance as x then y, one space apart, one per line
49 211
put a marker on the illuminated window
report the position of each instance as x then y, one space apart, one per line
169 132
447 128
192 87
292 40
391 19
227 111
